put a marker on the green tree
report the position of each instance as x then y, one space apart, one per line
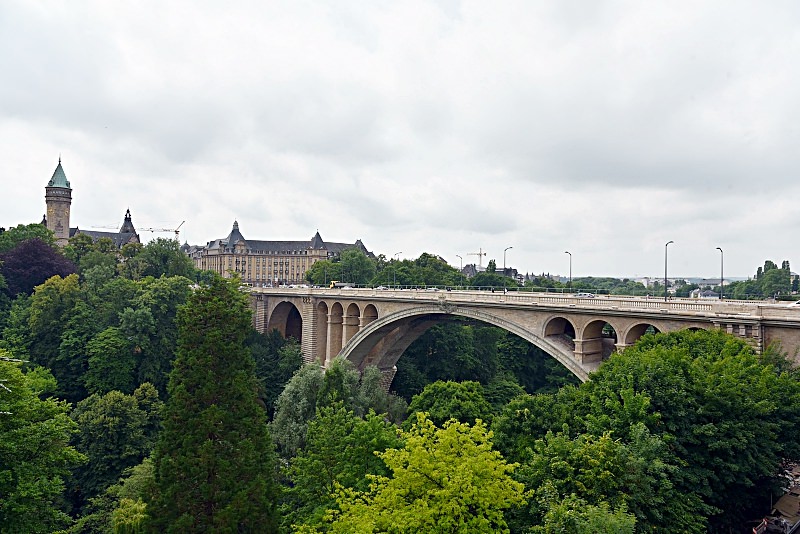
214 460
356 267
117 431
443 401
322 272
24 232
312 388
164 257
277 359
35 455
688 387
50 309
443 480
491 267
319 468
112 362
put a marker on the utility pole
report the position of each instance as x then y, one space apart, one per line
461 268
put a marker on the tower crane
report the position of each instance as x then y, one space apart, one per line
176 230
480 255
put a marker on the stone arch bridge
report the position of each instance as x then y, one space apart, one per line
375 326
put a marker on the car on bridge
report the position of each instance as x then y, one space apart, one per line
583 295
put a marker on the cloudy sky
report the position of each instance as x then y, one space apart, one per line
602 128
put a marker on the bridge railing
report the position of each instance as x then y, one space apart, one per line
681 305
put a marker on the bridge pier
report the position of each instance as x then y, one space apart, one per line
589 350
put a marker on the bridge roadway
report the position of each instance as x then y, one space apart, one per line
375 326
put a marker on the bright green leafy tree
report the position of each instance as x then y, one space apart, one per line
443 480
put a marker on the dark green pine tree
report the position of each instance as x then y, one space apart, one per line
214 460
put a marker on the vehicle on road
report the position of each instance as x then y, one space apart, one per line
584 295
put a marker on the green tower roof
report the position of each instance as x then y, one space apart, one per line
59 179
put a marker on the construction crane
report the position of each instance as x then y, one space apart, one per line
176 230
480 255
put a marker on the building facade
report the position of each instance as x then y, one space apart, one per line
265 263
58 199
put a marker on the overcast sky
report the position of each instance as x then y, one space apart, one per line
601 128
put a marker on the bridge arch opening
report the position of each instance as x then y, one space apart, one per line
599 339
321 349
286 319
335 328
351 322
383 341
638 330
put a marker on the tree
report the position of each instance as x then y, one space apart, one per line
319 468
117 431
164 257
25 232
312 388
50 309
35 455
214 460
323 271
30 263
356 267
277 359
491 267
687 387
443 480
112 363
443 401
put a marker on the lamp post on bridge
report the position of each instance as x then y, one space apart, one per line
461 269
504 265
570 268
721 265
395 267
666 246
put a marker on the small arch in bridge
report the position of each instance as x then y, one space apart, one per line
322 333
638 330
286 319
352 319
335 330
559 326
370 314
599 338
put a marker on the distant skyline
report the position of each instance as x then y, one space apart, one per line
601 128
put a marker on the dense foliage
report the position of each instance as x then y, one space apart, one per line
214 463
683 432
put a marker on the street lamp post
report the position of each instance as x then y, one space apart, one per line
461 269
721 265
504 265
665 269
395 267
570 267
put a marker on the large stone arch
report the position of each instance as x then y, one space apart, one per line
286 319
383 341
636 331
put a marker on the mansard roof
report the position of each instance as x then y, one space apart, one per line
281 247
59 179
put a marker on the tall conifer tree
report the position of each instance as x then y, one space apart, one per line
215 464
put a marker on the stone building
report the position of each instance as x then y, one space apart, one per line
265 263
58 199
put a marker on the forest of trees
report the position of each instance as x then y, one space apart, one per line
136 397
